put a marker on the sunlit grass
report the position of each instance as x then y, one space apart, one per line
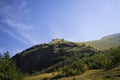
41 76
113 74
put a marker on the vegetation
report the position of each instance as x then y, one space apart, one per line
112 74
68 59
104 65
105 60
45 76
49 57
8 69
106 42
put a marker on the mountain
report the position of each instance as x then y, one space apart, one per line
58 52
102 66
105 42
65 58
51 56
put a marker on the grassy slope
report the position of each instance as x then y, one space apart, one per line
113 74
106 42
41 76
103 44
44 56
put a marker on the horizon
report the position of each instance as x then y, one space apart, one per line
24 23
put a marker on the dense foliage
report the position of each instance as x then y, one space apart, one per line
51 56
8 69
105 60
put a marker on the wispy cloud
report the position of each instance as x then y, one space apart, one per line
13 34
15 16
55 32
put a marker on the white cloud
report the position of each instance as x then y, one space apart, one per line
55 32
15 16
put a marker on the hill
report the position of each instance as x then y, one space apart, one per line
105 42
66 59
103 66
47 57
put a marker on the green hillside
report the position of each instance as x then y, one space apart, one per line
47 57
113 74
103 66
61 59
105 42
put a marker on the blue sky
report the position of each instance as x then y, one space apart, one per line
24 23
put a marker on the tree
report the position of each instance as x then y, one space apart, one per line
8 69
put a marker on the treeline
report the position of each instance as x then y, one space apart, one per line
8 69
105 60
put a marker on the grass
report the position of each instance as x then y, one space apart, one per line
113 74
101 44
105 42
88 75
41 76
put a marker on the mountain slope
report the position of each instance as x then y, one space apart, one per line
112 74
58 52
69 58
103 66
47 57
105 42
